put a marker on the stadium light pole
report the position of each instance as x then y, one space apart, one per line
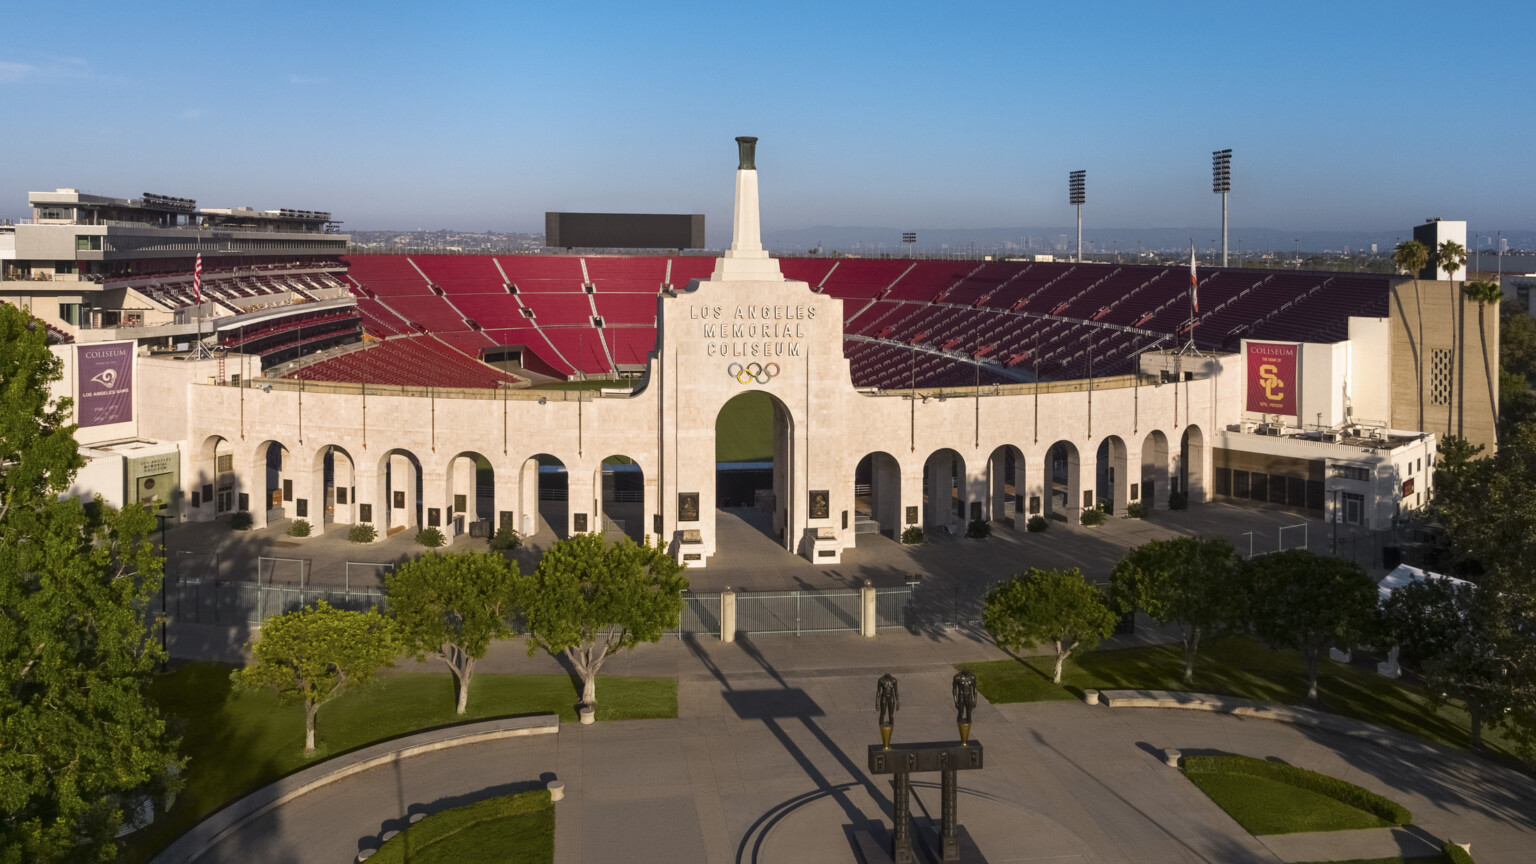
1077 193
909 238
1221 184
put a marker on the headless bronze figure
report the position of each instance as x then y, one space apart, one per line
887 700
964 690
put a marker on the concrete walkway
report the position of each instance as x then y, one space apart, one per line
1364 844
765 764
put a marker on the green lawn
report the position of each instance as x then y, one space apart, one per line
744 429
1432 859
1241 667
238 742
510 829
1265 806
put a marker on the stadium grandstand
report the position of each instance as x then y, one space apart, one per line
923 323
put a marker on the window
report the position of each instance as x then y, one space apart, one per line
87 242
1351 472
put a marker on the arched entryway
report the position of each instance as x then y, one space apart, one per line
1112 476
545 488
877 495
274 488
335 475
1192 465
944 493
397 498
1154 470
1064 491
1005 469
471 492
215 490
620 504
753 480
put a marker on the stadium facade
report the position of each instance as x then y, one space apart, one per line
893 404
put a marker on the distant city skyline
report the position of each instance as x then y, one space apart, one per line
1342 117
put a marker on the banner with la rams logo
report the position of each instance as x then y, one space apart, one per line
106 383
1272 378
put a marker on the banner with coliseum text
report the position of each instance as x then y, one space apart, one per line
105 383
1272 378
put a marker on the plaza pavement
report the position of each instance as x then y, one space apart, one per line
764 763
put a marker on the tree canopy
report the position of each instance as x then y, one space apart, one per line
1055 606
1412 256
310 655
1187 582
1309 603
589 599
78 736
452 607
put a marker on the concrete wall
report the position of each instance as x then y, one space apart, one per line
1369 387
1439 382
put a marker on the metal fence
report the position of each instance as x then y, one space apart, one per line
218 601
798 612
894 608
701 615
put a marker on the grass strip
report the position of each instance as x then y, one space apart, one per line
515 829
1265 806
1344 792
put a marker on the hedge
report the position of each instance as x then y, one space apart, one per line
1301 778
1455 854
441 826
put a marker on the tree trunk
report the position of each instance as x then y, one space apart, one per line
1312 658
1475 716
589 690
310 710
1191 645
1482 343
1061 658
463 682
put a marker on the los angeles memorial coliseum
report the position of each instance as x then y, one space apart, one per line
291 380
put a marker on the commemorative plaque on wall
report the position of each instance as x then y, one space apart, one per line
687 506
399 500
365 512
581 523
912 515
821 505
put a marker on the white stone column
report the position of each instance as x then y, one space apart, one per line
727 615
1031 478
580 497
746 260
434 496
867 622
506 496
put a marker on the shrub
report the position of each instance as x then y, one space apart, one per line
440 826
505 540
241 521
430 537
913 535
1093 517
1177 501
1301 778
1137 510
978 529
299 528
362 532
1036 524
1455 854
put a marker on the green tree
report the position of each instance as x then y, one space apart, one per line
1411 257
451 607
1187 582
1309 603
590 600
1454 636
310 655
1485 294
1055 606
1517 340
78 735
1450 256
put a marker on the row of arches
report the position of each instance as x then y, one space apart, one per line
395 490
952 493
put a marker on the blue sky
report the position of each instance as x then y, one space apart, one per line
1341 115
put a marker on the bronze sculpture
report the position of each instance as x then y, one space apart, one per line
746 148
887 700
964 691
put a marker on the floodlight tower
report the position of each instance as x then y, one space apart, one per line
1077 185
1221 184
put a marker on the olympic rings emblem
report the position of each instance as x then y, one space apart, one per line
753 372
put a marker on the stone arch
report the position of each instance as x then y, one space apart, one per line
1154 470
544 489
1064 481
1192 464
877 495
618 505
1005 476
335 486
469 491
1112 475
747 414
944 489
397 492
271 495
214 470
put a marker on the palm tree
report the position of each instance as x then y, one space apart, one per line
1451 256
1485 294
1413 256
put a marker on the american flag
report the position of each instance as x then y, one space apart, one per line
1194 284
197 279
